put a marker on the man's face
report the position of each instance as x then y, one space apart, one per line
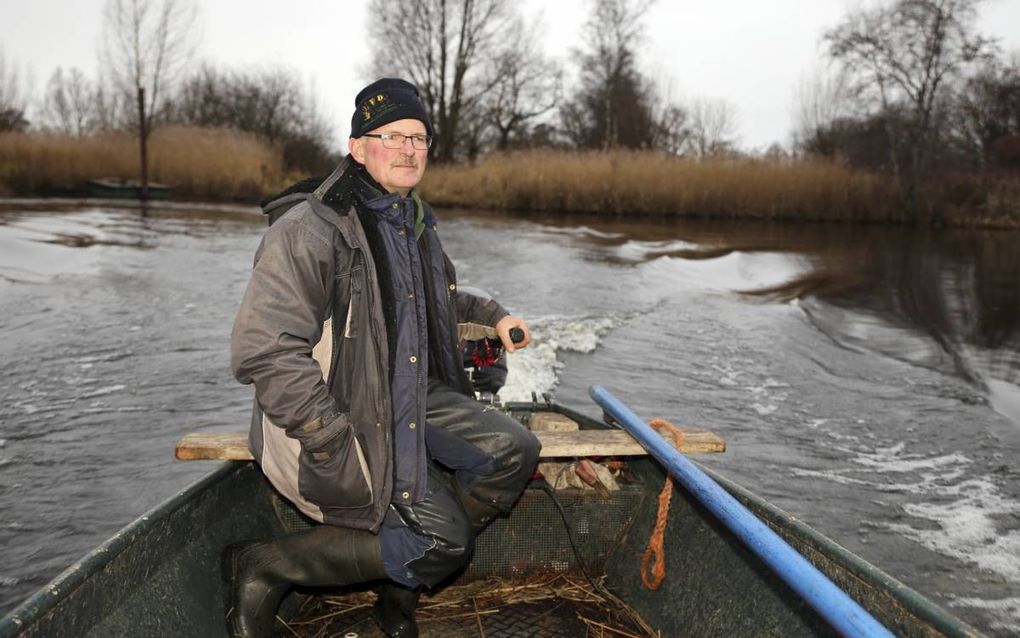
398 170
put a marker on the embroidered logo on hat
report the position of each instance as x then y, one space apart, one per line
375 106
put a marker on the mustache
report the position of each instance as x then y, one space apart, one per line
410 162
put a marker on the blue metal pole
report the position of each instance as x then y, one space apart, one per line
831 602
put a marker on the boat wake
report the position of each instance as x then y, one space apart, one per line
946 507
993 374
536 368
732 271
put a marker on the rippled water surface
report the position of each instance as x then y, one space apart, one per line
866 380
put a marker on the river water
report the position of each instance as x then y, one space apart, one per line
866 380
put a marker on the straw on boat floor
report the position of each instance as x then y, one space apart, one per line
546 606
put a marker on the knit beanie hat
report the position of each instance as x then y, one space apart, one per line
384 101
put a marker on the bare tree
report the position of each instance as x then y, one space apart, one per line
526 85
270 103
712 126
902 56
111 106
69 104
986 117
671 122
672 130
612 106
146 46
12 98
441 46
820 99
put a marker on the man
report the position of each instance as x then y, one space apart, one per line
364 417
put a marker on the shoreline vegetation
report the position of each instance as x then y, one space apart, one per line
206 164
222 165
651 184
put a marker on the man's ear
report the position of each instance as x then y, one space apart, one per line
356 147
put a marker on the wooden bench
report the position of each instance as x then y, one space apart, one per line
233 446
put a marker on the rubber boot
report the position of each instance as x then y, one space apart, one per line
480 514
261 573
394 610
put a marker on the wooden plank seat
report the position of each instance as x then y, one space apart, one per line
233 446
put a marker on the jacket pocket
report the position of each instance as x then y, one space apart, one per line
333 472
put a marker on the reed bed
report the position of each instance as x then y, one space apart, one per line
198 163
600 612
650 184
227 165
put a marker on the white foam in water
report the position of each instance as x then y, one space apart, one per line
765 395
834 476
580 231
640 250
764 410
535 369
964 510
735 271
103 391
1003 607
892 459
729 373
966 529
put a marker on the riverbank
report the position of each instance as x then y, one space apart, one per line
649 184
219 165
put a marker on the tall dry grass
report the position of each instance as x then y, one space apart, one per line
212 164
221 164
652 184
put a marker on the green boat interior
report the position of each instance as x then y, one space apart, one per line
564 562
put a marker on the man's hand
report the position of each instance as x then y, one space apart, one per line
503 330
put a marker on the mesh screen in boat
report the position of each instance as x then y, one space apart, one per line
532 538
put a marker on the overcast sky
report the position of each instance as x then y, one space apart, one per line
752 53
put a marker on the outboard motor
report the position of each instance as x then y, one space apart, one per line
484 361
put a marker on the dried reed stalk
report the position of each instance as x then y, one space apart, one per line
288 627
478 618
486 597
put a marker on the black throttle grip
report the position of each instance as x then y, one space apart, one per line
516 335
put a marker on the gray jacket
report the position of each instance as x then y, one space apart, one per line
311 336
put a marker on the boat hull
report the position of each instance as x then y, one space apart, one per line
160 576
120 189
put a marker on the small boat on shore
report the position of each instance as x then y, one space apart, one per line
160 575
110 188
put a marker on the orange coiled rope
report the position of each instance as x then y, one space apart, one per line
653 563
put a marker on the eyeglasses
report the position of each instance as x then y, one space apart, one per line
396 140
